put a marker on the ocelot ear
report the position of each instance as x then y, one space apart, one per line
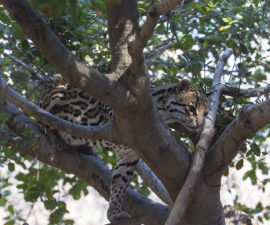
184 86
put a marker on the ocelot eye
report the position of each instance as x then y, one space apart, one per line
205 114
192 109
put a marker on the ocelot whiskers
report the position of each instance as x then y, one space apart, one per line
176 103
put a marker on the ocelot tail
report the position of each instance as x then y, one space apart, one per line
177 103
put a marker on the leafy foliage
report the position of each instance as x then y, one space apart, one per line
186 44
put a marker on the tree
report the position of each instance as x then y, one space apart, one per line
107 36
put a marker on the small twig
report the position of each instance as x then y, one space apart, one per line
28 67
151 56
29 213
184 196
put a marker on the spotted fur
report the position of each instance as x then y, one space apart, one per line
177 103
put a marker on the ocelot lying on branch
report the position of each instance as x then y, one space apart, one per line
177 103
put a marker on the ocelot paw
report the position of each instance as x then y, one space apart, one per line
59 146
114 216
85 149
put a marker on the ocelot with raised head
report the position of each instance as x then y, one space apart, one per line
177 103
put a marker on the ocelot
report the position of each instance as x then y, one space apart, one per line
177 103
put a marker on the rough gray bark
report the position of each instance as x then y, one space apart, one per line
137 123
123 22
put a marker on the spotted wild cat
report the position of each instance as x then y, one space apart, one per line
176 103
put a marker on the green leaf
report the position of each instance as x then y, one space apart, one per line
61 205
231 43
55 218
31 194
252 175
239 164
10 209
173 26
25 45
50 204
227 20
21 177
259 207
11 222
2 30
4 18
3 117
11 166
255 149
59 7
3 202
267 215
187 42
77 188
41 4
259 76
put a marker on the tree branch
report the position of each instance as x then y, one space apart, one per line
17 121
251 92
153 54
251 119
35 75
136 47
94 132
184 196
93 171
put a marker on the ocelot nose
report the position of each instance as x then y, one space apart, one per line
199 123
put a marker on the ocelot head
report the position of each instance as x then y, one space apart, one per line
190 106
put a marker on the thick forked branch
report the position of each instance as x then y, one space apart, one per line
184 196
93 171
251 119
94 132
147 30
72 68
